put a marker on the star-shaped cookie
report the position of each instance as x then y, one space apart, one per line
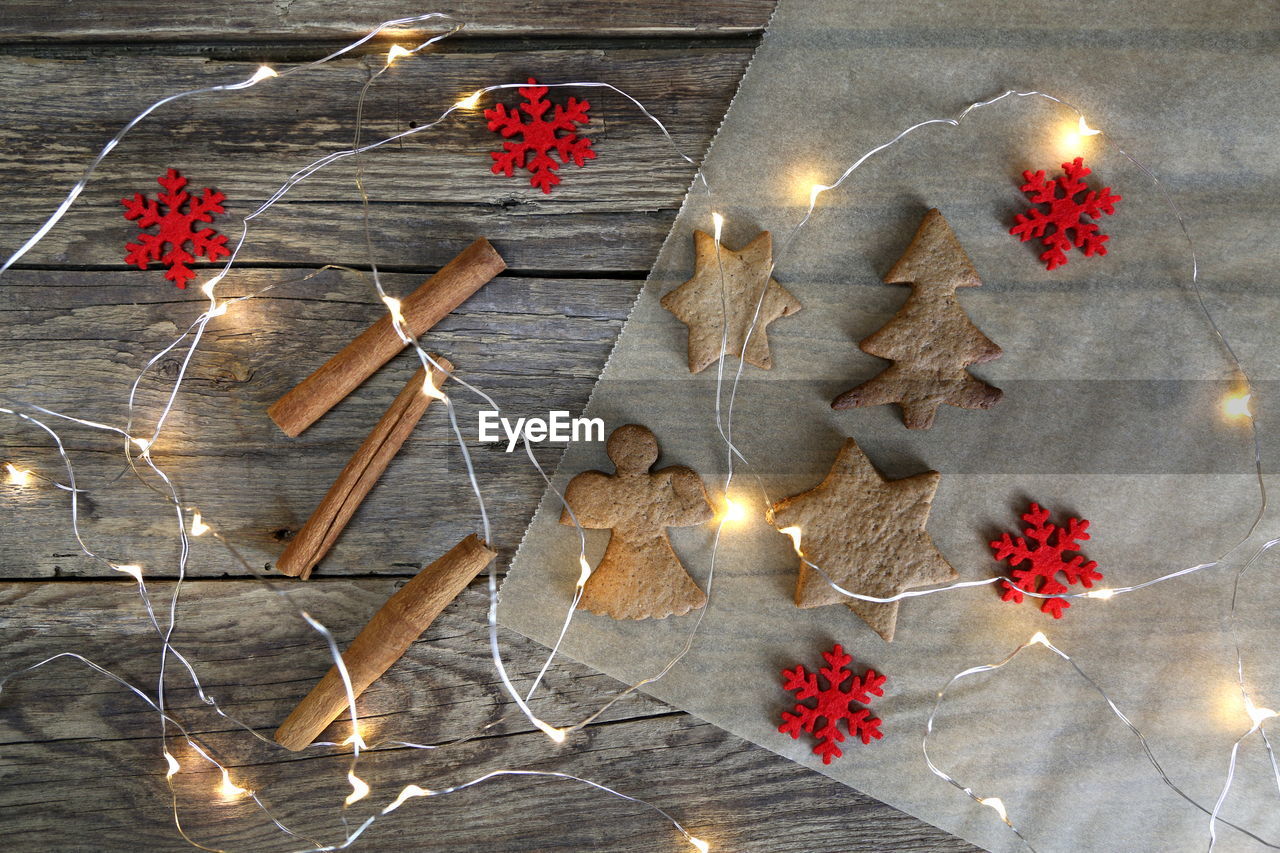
700 303
868 534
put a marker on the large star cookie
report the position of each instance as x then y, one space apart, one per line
868 534
700 303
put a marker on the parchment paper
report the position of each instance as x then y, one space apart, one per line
1112 376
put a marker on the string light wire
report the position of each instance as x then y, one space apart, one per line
1105 594
195 332
1040 639
556 734
723 419
201 749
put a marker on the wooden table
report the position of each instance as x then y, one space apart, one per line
81 765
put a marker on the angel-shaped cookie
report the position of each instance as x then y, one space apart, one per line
640 576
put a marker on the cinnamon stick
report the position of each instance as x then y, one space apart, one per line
390 632
378 344
351 487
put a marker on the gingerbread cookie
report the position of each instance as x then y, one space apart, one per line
701 302
640 576
867 534
930 340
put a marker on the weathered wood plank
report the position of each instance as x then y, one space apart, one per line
75 342
262 20
433 191
258 658
81 760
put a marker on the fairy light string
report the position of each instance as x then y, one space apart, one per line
136 573
733 511
558 735
1257 715
143 446
1236 405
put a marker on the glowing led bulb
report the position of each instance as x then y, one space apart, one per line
356 740
585 568
197 524
470 102
131 570
393 305
1256 714
408 792
16 475
174 766
794 533
815 191
1038 637
218 310
557 735
997 804
228 788
142 444
1104 594
1072 139
702 846
397 52
718 222
1237 405
429 388
734 512
263 72
359 789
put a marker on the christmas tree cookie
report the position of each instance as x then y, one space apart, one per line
930 340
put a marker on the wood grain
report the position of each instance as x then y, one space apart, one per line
433 191
82 770
77 340
81 766
264 20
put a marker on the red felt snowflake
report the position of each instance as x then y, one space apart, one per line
1046 560
175 228
1065 213
539 136
833 705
